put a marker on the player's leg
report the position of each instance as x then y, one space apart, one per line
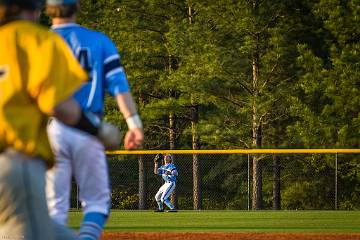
58 187
91 174
165 196
158 199
58 179
62 232
23 210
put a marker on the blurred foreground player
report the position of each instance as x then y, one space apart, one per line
77 153
38 74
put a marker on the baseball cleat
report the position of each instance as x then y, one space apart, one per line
159 210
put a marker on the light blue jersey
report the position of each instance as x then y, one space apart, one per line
171 170
99 57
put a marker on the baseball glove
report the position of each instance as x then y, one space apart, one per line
109 135
157 158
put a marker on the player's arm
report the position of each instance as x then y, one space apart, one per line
156 168
69 112
135 136
156 164
174 172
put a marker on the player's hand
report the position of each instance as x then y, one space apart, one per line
134 139
109 135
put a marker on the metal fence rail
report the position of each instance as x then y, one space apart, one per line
323 179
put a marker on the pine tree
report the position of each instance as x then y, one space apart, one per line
327 104
254 56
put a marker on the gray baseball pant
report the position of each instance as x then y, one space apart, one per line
23 209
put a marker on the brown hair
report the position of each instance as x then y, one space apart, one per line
61 11
9 13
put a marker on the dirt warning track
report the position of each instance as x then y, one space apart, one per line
228 236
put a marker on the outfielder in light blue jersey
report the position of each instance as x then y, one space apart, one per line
169 173
79 154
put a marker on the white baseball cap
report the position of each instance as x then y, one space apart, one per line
168 156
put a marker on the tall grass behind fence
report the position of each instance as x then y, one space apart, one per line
327 180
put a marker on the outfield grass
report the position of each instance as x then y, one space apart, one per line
230 221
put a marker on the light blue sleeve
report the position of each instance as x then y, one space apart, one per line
174 170
160 171
114 73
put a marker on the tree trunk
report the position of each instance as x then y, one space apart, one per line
257 185
276 183
196 162
195 143
143 187
142 183
257 198
256 129
257 166
173 197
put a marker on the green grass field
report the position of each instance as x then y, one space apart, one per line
230 221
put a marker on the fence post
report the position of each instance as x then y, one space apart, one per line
336 180
248 183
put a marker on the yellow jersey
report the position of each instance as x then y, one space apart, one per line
37 71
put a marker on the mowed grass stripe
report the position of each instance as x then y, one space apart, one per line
230 221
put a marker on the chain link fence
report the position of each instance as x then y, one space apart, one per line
287 181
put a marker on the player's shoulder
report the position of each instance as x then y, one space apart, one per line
171 165
32 35
23 29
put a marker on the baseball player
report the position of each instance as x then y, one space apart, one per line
169 173
38 74
77 153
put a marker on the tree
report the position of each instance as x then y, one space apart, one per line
255 67
239 74
326 106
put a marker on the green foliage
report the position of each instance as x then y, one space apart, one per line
326 105
328 90
305 195
123 200
304 92
185 203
